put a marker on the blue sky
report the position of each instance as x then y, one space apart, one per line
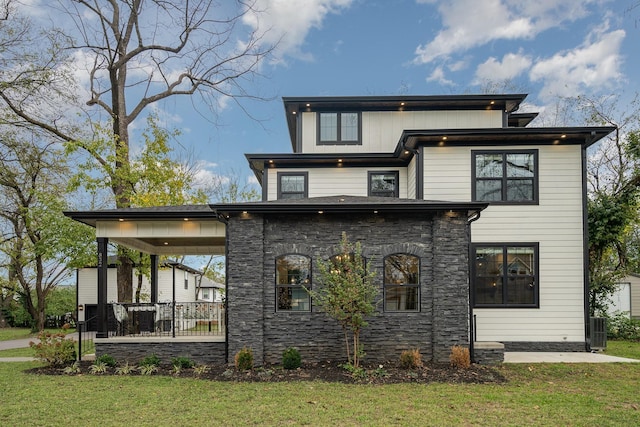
547 48
421 47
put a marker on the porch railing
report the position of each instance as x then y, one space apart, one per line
166 319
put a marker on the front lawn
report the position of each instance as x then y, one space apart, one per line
629 349
536 394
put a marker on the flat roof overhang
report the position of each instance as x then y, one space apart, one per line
346 205
162 230
584 136
508 103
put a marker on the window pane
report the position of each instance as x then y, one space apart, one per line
349 126
519 189
489 261
520 165
520 261
488 290
489 190
521 290
292 184
401 269
293 274
328 126
489 166
293 270
384 184
401 298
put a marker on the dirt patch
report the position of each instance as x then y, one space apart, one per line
328 372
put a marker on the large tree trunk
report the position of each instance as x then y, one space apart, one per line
124 276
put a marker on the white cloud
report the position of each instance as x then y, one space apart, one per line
288 22
592 65
472 23
438 76
512 65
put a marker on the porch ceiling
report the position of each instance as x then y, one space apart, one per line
169 230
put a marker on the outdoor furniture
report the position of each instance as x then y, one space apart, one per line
122 318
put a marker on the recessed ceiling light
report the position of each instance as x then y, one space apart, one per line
121 219
563 136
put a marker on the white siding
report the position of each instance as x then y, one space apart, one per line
337 181
381 130
556 223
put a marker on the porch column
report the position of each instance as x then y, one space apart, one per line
103 265
154 278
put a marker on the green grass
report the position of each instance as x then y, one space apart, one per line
17 352
623 349
7 334
540 395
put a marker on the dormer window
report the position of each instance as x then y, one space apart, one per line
338 128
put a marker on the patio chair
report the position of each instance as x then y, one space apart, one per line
122 318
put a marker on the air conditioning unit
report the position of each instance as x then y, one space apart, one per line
598 328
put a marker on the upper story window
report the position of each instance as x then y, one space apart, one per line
505 275
384 183
505 176
293 185
401 282
339 128
293 275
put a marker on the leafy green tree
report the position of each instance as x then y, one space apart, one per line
39 244
138 53
347 294
614 195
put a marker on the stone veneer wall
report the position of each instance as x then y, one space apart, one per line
253 246
206 353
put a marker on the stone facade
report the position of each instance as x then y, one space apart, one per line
439 240
133 351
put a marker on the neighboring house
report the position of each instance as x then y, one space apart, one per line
626 298
474 223
187 281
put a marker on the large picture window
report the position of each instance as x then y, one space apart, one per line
505 275
339 128
293 275
401 282
384 183
293 185
505 176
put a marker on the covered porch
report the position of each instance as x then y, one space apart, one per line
132 331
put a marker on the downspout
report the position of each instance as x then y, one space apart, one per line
585 250
474 217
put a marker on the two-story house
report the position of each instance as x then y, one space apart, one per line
474 224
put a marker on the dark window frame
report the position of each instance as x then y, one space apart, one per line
396 190
279 286
503 199
416 285
305 175
505 276
338 140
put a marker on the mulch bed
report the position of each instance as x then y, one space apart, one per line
328 372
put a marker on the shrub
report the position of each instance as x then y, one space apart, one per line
107 360
291 358
200 370
54 349
622 327
460 357
411 359
148 369
152 360
125 369
98 367
72 369
244 359
182 362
